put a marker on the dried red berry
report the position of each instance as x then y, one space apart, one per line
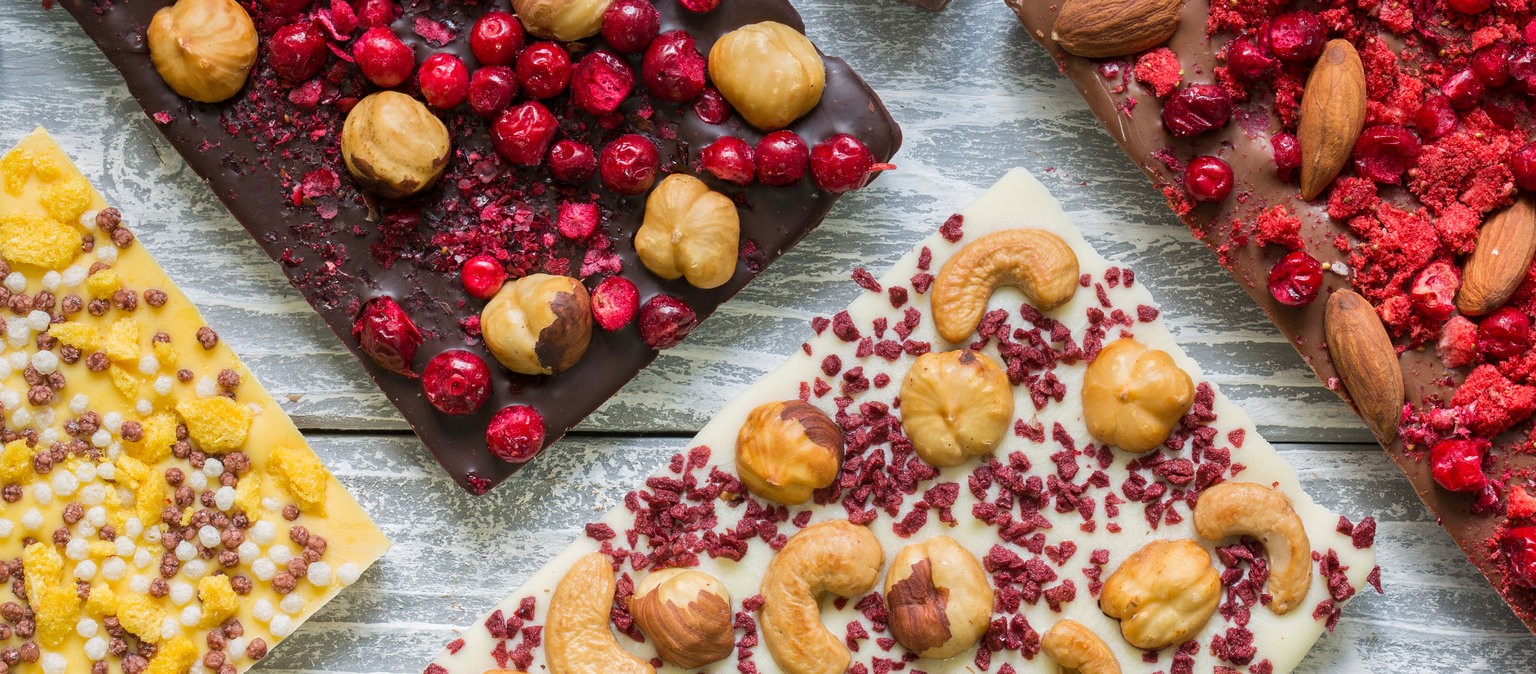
1434 290
673 68
1296 37
1470 6
1249 62
496 38
1522 165
1504 334
375 13
523 133
729 159
615 302
1522 67
383 58
543 70
286 7
600 82
515 434
1463 88
482 276
578 220
1197 109
444 81
700 6
711 106
1295 279
297 51
387 335
1435 117
1384 151
782 158
491 90
456 382
843 163
1491 64
629 164
1457 465
630 25
572 162
1287 155
1519 547
665 321
1208 179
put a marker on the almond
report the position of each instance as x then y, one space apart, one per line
1332 114
1499 263
1366 361
1104 28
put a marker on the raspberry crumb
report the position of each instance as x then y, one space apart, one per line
1159 71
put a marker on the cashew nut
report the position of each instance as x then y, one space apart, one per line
939 598
955 405
1163 594
1247 509
1077 649
1035 261
577 637
836 556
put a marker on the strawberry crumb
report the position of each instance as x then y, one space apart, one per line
1159 70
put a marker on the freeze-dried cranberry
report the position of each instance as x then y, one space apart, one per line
1522 165
375 13
710 106
387 335
1470 6
286 7
1296 37
515 434
1434 290
444 81
615 302
1435 117
665 320
1457 464
491 90
1208 179
843 163
522 133
496 38
1522 67
482 276
1519 547
572 161
1295 279
1384 151
383 58
1491 64
782 157
600 82
578 220
1197 109
629 164
297 51
630 25
700 6
673 68
456 382
1248 61
729 159
1504 334
1287 153
1463 89
543 70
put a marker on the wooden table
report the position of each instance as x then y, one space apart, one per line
975 96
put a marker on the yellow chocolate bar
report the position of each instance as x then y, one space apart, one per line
159 509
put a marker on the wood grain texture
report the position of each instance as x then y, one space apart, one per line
975 96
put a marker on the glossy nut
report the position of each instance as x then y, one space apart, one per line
938 599
1076 648
689 231
538 324
203 49
1133 396
393 145
787 450
1163 594
564 20
1247 509
686 614
836 557
577 635
769 72
955 405
1040 264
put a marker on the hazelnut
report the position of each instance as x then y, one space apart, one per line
563 20
938 598
955 405
394 145
786 450
203 49
686 614
770 72
689 231
538 324
1133 396
1163 594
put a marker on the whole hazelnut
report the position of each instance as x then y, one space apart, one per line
393 145
1133 396
787 450
538 324
938 599
689 231
686 614
563 20
769 72
955 405
203 49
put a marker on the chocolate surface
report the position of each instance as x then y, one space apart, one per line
343 249
1133 118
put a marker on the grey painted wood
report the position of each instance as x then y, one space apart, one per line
975 97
